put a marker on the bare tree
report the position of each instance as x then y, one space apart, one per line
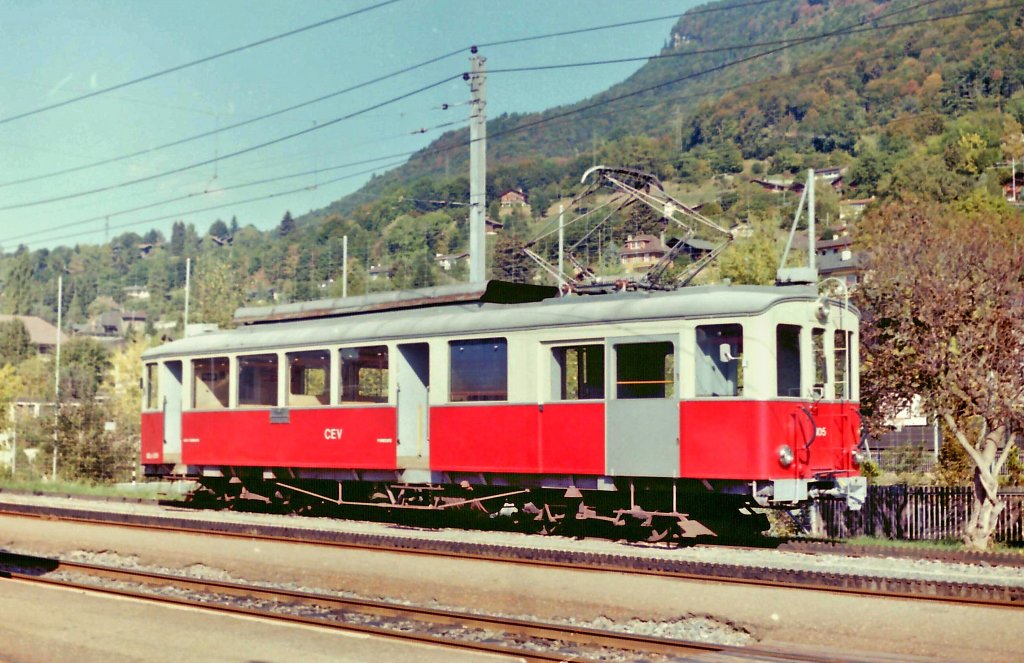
943 298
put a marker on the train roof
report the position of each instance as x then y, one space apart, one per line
483 317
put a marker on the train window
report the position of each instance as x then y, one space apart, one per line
364 374
257 381
787 360
309 378
152 386
645 370
479 370
719 360
210 390
581 372
820 367
842 365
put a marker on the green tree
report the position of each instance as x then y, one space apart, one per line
88 449
19 291
287 226
177 247
217 292
15 342
218 229
84 364
510 263
752 260
944 301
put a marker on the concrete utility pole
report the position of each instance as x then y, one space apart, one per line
344 267
477 168
561 246
812 251
56 373
188 290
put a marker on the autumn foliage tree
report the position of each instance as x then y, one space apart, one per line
943 304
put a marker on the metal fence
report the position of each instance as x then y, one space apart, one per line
918 513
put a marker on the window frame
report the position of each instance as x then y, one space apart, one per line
210 388
500 395
738 381
670 370
383 397
240 383
290 378
151 397
798 354
559 370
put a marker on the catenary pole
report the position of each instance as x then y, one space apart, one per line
477 167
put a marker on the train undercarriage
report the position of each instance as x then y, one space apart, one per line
634 509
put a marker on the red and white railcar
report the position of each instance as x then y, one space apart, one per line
645 404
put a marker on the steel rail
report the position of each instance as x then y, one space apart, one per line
555 633
834 583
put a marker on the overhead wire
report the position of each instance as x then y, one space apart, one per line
839 32
203 60
352 88
179 214
233 187
251 148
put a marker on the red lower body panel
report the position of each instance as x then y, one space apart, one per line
721 439
152 433
357 438
564 438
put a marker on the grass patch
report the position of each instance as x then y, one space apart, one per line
939 544
145 490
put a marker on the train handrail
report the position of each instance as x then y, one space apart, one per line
814 428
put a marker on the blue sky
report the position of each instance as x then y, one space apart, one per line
56 50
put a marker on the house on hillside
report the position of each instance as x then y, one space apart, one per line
836 258
641 251
379 271
447 261
42 335
111 326
492 226
852 208
136 292
831 176
514 198
1014 188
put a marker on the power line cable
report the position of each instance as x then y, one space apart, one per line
230 155
560 116
331 95
220 206
233 187
668 56
733 63
203 60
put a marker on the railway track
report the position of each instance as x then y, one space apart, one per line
988 595
525 639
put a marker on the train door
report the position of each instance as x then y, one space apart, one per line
642 413
413 415
171 385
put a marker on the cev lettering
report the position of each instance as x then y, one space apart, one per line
332 433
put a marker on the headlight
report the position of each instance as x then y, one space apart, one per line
858 457
785 455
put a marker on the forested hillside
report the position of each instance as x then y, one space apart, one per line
908 97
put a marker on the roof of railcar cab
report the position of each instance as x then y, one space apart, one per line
466 316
